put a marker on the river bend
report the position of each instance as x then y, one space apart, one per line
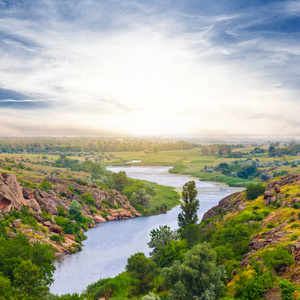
108 246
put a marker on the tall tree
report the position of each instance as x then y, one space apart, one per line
197 277
190 205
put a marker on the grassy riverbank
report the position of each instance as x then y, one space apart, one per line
193 162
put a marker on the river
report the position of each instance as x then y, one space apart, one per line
108 246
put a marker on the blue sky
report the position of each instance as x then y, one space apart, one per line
86 67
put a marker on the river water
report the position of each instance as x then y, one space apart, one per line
108 246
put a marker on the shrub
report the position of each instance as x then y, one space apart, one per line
61 211
270 225
45 185
287 289
278 259
88 199
57 238
296 206
254 288
294 237
254 190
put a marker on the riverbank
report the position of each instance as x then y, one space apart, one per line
186 162
109 245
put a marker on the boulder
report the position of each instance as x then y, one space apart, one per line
70 236
47 223
28 193
296 200
110 218
277 188
16 223
56 229
11 195
138 215
99 219
268 194
34 205
112 200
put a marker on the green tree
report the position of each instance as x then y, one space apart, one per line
161 236
6 290
172 251
28 280
142 269
190 206
151 296
254 190
192 233
197 277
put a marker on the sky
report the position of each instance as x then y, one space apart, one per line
149 68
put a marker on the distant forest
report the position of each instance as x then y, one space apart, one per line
76 145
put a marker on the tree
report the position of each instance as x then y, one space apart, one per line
6 290
254 190
28 279
151 296
172 251
197 277
142 269
161 236
190 206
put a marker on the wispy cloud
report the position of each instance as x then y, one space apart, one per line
135 66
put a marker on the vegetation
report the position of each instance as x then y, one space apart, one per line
190 205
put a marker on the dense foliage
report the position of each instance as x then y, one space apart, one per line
25 271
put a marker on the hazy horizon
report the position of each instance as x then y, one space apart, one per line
158 68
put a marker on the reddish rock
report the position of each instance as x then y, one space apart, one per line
99 219
90 225
28 193
47 223
114 192
110 218
16 223
70 236
56 229
34 205
138 215
11 195
112 201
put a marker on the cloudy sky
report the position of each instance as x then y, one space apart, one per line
160 67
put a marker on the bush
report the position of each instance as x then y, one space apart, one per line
254 288
254 190
57 238
61 211
45 185
88 199
287 289
278 259
296 205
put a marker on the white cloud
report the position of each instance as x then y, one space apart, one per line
140 78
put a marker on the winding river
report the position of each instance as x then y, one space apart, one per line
108 246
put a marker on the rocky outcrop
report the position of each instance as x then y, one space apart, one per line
235 199
11 196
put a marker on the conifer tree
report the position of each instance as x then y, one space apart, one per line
189 208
